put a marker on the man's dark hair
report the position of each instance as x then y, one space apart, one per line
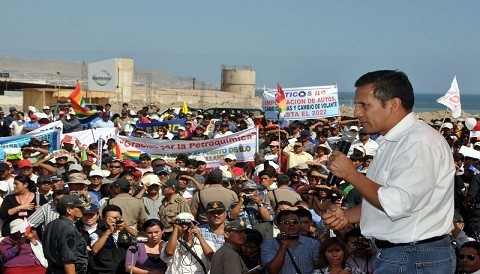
458 156
389 84
302 212
267 173
472 244
284 213
108 208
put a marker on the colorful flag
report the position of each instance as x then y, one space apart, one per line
282 105
452 99
115 152
184 107
78 105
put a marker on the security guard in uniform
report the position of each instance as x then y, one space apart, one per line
64 247
171 206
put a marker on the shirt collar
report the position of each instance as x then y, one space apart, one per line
395 133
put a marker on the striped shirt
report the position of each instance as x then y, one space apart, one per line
44 215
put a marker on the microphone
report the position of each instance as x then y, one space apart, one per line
343 146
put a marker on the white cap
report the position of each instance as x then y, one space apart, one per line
96 172
353 128
231 157
185 216
46 107
150 179
181 128
200 159
16 225
448 125
76 167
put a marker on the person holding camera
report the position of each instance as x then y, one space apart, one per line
250 207
361 251
113 241
289 252
186 250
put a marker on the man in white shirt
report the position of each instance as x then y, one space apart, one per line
407 209
104 122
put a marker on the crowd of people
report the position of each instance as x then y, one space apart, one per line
62 213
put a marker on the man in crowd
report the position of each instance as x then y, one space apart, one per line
172 205
296 155
469 257
289 251
214 229
282 193
133 209
408 191
64 247
227 259
214 192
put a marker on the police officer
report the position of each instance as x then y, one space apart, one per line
171 206
64 247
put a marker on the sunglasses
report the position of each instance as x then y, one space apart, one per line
115 166
289 222
469 256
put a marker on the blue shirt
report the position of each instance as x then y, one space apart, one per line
209 235
305 254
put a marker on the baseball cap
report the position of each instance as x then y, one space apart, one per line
16 225
448 125
236 225
215 206
186 217
91 208
46 107
85 182
44 179
144 155
305 132
130 163
33 116
224 125
231 157
249 185
24 163
181 128
76 177
215 177
200 159
160 169
172 182
70 201
12 109
274 143
150 180
76 167
121 183
56 177
353 128
96 172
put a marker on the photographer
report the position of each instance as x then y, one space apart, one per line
361 252
289 252
113 241
187 251
257 214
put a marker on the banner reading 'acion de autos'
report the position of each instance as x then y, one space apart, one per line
242 144
303 103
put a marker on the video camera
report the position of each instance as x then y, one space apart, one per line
248 198
362 243
185 222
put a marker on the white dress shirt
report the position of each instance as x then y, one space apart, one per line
415 168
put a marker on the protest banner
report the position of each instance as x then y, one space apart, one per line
303 103
172 125
52 136
90 136
52 125
243 144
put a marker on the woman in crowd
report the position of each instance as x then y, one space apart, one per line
333 258
146 258
20 204
18 254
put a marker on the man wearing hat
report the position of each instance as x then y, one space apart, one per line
26 168
71 125
181 133
214 192
213 230
172 204
48 112
186 250
7 121
296 154
307 141
133 209
64 247
96 178
145 163
47 212
251 208
31 125
227 259
44 186
151 195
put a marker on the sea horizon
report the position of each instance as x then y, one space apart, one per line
425 102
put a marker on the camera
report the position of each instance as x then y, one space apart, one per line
361 243
247 198
184 222
283 236
118 220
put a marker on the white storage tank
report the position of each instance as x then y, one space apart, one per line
238 80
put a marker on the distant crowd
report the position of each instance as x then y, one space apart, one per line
155 215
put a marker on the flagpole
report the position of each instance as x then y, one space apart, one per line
443 120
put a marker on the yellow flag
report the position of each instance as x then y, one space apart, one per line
184 107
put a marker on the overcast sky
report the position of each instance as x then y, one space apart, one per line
296 43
